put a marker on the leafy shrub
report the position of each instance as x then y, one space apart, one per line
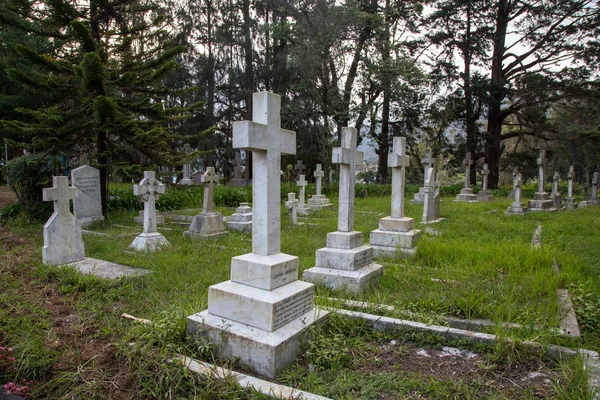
9 212
328 351
232 196
587 307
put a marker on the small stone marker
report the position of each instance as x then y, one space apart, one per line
292 205
396 231
570 203
516 208
148 191
593 201
87 207
556 197
466 194
345 263
427 161
241 220
511 194
318 201
541 200
187 167
431 204
208 223
63 243
484 194
330 175
302 208
299 168
258 316
237 171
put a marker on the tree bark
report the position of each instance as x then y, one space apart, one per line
249 77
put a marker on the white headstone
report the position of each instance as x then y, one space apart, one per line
466 194
187 167
484 194
241 220
148 191
291 205
319 201
517 208
593 201
302 208
432 199
427 161
62 233
541 200
318 174
348 158
208 223
87 207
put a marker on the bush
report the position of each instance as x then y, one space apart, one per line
28 175
9 212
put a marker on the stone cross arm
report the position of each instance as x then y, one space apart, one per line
210 176
468 161
60 193
427 158
343 155
595 178
542 158
319 173
250 135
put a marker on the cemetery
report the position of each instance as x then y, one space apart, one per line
302 200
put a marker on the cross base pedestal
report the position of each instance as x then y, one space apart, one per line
467 195
419 197
570 203
485 195
516 209
393 235
185 182
149 242
303 209
592 202
319 202
206 225
237 182
557 201
541 202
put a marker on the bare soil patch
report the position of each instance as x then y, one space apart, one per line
7 196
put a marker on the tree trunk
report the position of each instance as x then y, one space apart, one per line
249 77
384 137
470 120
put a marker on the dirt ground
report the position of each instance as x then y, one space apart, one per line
7 197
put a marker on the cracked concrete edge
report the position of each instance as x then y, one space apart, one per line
568 324
247 381
536 240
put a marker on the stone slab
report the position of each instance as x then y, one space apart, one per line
568 324
541 196
106 269
384 251
485 196
63 243
343 259
264 272
404 240
240 226
266 353
87 207
206 225
185 182
352 281
469 198
541 205
404 224
149 242
344 240
262 309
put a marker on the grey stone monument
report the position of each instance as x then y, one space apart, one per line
593 201
148 191
431 203
259 317
299 168
187 167
208 223
517 207
292 205
62 233
345 263
511 194
484 194
427 161
241 219
541 200
570 203
302 208
87 206
237 171
466 194
556 196
396 232
318 201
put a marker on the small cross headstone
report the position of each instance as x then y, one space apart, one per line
594 193
237 171
63 243
300 167
517 208
319 173
302 209
467 164
208 223
556 197
541 200
318 201
209 179
466 193
291 205
148 191
541 162
485 174
427 160
570 177
484 195
187 167
398 160
348 158
330 175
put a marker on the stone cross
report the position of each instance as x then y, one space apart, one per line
330 175
594 194
348 158
518 185
265 138
541 162
299 168
291 204
555 182
187 167
237 169
209 178
302 185
427 160
485 173
319 174
570 177
60 193
398 161
467 163
148 191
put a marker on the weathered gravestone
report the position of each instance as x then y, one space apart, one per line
208 223
259 317
241 219
292 205
300 167
431 204
466 194
237 171
345 263
511 194
517 207
148 191
427 161
302 208
396 231
484 194
318 201
593 201
187 167
87 206
63 243
541 200
556 197
570 203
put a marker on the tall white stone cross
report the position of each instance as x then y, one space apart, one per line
467 163
555 182
291 204
299 168
570 177
319 174
518 185
187 167
265 138
398 161
148 191
485 173
209 178
427 160
348 158
541 162
237 168
302 185
60 193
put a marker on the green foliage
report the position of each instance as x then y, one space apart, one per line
328 351
228 196
587 307
9 212
28 175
